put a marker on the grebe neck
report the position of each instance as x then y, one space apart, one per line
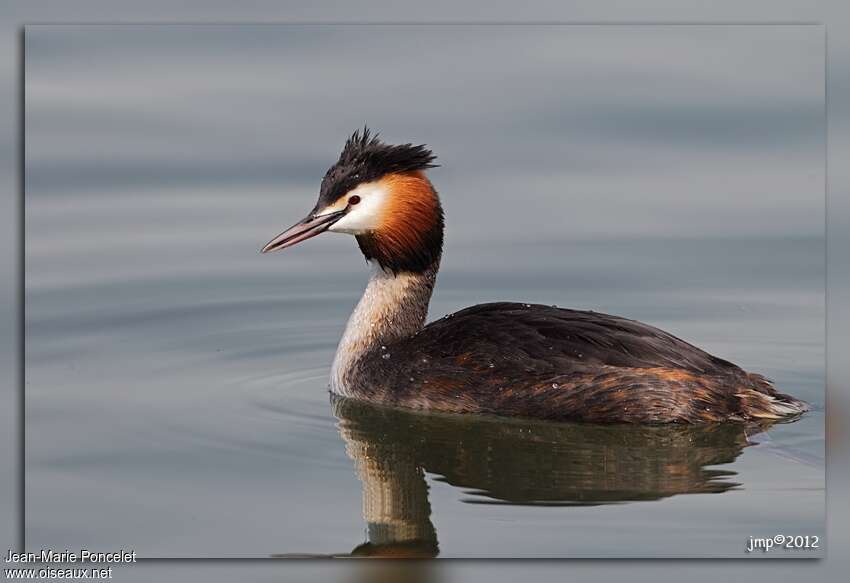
394 306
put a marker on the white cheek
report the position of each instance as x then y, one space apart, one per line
365 215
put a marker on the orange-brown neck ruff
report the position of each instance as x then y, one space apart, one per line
410 236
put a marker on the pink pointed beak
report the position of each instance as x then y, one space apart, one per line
304 229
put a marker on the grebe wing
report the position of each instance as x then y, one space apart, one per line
541 338
547 362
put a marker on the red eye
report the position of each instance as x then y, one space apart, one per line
354 199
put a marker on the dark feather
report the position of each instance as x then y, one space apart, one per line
366 158
540 361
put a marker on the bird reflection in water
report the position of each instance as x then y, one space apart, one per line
519 462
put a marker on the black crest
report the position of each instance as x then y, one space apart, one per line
365 158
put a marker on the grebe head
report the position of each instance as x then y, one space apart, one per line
379 193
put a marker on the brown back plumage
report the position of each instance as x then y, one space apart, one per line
545 362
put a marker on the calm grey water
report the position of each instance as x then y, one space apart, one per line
176 380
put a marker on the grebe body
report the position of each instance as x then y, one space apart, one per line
512 359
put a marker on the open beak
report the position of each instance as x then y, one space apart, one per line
303 230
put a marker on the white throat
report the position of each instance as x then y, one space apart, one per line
393 307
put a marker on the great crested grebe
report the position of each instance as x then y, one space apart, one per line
503 358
